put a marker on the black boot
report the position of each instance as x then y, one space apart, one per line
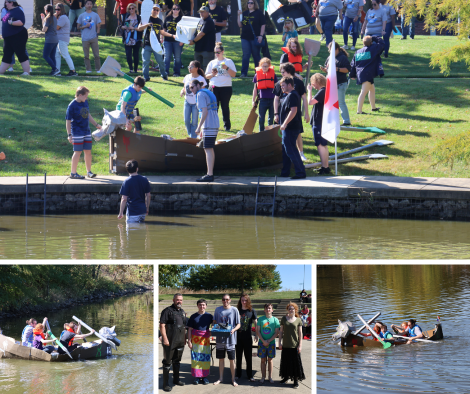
176 375
166 378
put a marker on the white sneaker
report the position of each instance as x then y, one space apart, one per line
322 37
345 47
30 70
98 72
353 48
10 69
302 156
89 72
25 73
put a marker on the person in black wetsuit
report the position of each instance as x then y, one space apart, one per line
173 322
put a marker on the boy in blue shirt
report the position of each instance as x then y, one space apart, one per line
135 195
77 121
128 100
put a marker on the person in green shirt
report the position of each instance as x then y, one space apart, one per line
267 329
290 344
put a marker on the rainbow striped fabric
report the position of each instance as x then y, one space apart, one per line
200 353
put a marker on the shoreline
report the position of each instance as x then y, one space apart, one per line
95 296
350 196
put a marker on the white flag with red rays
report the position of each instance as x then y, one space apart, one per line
330 123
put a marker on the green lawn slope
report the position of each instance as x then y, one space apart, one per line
419 109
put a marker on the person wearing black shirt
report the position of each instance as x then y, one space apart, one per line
244 344
173 322
343 66
154 24
204 42
291 125
172 47
318 81
253 25
219 16
288 70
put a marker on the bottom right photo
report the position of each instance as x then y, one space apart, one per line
398 328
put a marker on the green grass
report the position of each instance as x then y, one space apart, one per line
275 295
417 113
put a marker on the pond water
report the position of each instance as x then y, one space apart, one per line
400 292
230 236
128 370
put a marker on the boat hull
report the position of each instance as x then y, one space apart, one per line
158 154
10 349
359 341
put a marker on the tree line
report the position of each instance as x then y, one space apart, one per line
35 284
220 277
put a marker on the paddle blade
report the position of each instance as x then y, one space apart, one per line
387 344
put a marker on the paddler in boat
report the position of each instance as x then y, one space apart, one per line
385 334
39 337
414 331
27 336
68 337
401 330
377 328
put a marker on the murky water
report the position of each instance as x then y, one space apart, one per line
400 292
128 370
227 237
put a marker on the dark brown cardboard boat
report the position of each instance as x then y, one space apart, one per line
10 349
359 341
255 150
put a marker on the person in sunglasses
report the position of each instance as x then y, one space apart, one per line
63 34
226 314
375 21
171 46
122 5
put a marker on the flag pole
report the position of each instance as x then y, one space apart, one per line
336 158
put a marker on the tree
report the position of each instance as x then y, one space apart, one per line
38 10
171 275
444 15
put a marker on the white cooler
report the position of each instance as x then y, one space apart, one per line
186 29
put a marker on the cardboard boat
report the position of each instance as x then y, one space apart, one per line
10 349
254 150
352 340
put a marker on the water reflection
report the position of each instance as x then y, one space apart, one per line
400 292
225 237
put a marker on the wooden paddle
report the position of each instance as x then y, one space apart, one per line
370 321
417 339
385 344
110 343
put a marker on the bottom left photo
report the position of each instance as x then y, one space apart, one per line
76 328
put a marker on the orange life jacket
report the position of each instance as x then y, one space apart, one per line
295 60
39 333
265 81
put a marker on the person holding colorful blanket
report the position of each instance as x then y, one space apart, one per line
199 343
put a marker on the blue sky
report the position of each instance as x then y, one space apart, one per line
292 276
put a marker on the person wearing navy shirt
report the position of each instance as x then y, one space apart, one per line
291 125
135 195
198 330
15 37
77 121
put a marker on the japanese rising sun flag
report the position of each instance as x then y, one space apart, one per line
330 122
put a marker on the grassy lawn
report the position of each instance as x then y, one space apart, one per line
255 296
417 113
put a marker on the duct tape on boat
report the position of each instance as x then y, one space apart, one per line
189 156
171 154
